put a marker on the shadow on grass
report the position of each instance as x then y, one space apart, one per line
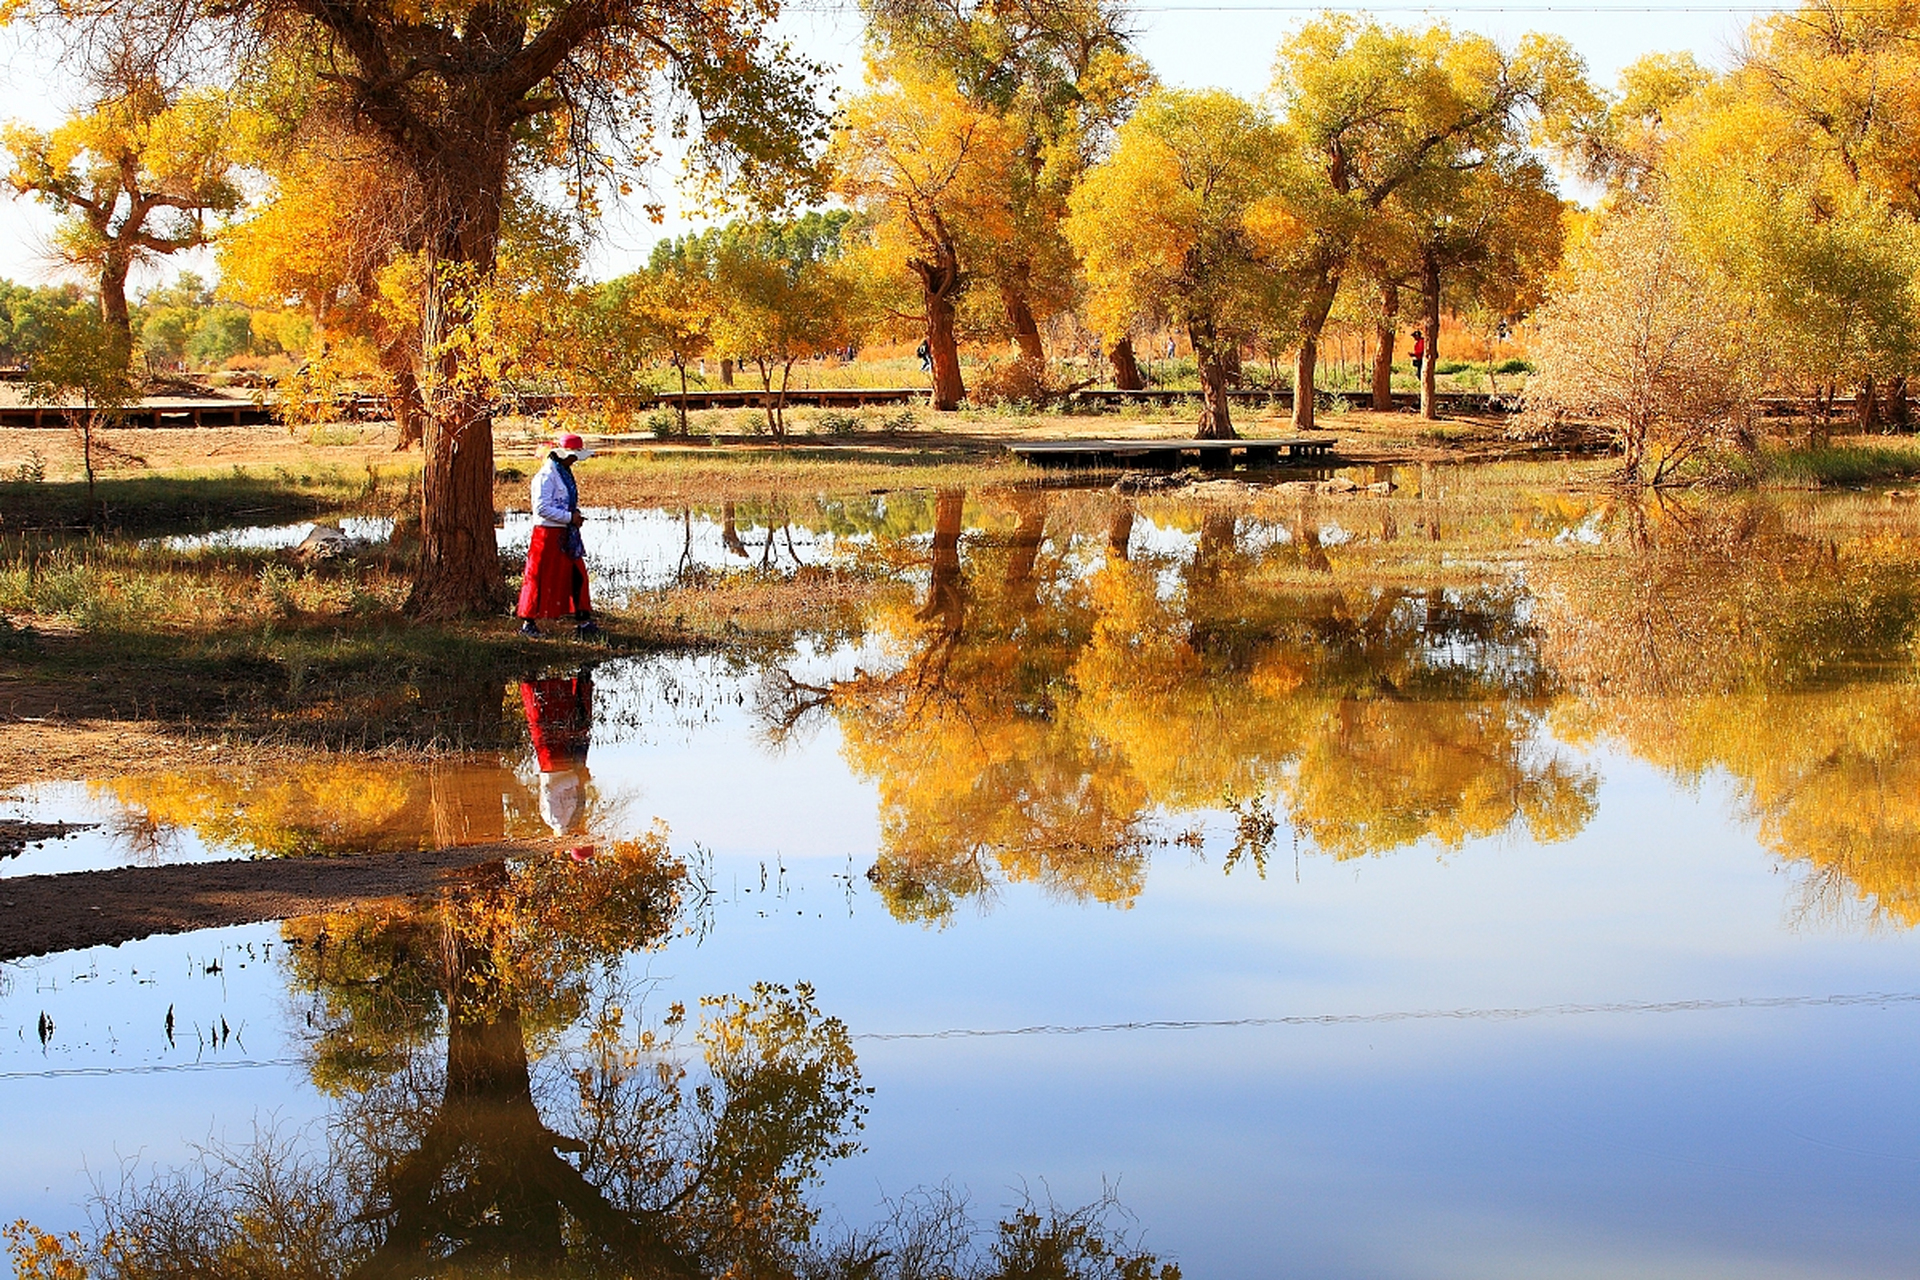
151 504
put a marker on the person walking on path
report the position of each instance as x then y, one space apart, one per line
555 584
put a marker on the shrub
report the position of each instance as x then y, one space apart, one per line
1023 383
664 424
1641 343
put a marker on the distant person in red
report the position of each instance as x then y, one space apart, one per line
556 579
560 718
1419 349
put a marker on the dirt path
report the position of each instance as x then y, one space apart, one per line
42 914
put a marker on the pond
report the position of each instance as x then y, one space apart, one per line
1344 886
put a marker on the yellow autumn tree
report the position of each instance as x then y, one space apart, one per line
1187 223
1794 177
1622 139
930 173
1061 77
665 312
1372 108
336 239
134 179
781 297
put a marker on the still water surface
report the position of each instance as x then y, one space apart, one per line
1540 905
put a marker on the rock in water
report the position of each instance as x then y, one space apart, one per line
1151 481
324 542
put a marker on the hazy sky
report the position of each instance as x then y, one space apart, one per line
1191 44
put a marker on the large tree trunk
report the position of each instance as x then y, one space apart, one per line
1866 408
946 606
1304 362
1216 412
1899 417
1026 331
1430 319
1120 531
726 371
1385 329
943 352
458 572
1313 318
113 299
403 393
941 282
1126 369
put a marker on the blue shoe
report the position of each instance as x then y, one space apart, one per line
588 631
528 629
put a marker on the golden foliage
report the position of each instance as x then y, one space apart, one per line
1043 713
334 806
42 1255
1184 222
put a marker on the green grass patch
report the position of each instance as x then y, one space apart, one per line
1831 465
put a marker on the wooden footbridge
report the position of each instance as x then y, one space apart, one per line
1172 455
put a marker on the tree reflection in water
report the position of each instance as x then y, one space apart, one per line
1773 643
496 1112
1043 710
1056 690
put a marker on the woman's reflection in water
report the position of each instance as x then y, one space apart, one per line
560 719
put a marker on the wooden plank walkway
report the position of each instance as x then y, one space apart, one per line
1172 455
211 413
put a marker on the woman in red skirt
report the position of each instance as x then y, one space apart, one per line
556 579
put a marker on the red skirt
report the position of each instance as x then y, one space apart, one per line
555 585
560 720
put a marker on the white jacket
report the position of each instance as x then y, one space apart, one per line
550 507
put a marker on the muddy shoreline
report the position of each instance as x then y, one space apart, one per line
44 914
